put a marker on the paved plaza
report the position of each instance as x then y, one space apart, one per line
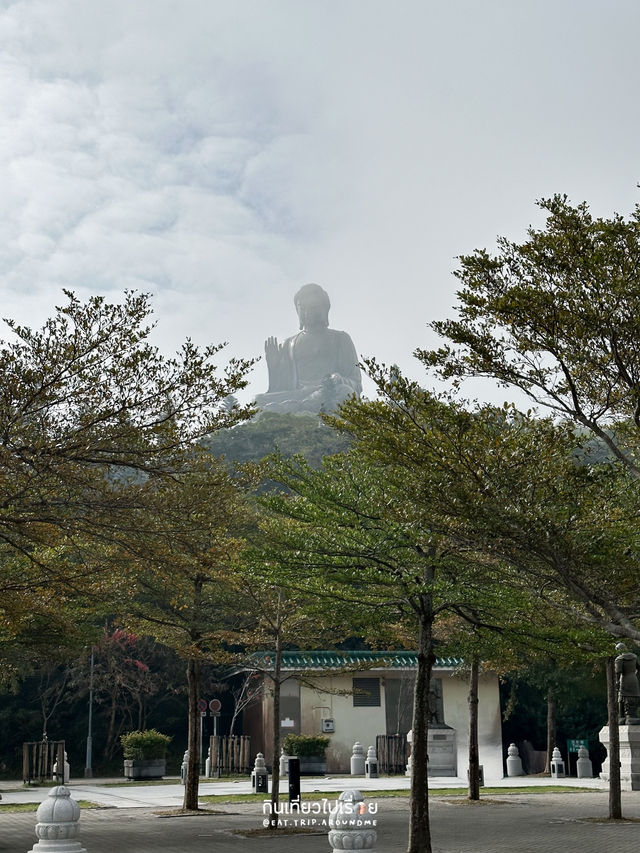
500 823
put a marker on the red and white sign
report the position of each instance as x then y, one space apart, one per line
202 704
215 705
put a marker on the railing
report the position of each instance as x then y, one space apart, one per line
38 758
392 753
229 754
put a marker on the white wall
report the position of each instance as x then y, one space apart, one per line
455 690
363 724
352 724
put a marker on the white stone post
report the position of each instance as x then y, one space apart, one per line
557 764
352 823
260 775
284 763
371 764
514 762
67 770
410 760
583 765
357 759
207 765
57 826
183 767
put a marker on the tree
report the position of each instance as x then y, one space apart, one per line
123 682
356 532
557 317
514 488
277 614
89 410
244 692
289 434
188 538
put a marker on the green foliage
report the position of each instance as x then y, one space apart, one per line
305 745
557 317
91 413
303 434
145 745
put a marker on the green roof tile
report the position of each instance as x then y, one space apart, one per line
350 659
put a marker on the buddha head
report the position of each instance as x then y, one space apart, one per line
312 304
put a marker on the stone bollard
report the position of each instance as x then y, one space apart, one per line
514 762
260 776
207 765
583 765
284 763
557 764
57 826
410 759
183 767
371 764
357 759
67 770
352 823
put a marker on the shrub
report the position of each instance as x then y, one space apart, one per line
305 745
146 745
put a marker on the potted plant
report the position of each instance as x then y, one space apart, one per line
310 749
145 754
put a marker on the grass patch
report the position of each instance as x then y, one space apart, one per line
32 807
399 793
534 789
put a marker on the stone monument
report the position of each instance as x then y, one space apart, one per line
317 368
628 687
626 667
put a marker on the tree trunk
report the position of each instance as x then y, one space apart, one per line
275 773
615 792
552 713
474 758
110 744
193 764
419 829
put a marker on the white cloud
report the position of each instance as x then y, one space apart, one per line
221 154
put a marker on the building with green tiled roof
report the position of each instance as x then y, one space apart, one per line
367 696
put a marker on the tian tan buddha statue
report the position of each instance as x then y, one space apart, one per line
315 369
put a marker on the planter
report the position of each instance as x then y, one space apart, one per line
145 768
310 749
312 765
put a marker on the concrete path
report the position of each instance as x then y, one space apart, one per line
165 796
517 823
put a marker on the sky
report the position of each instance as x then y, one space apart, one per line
218 154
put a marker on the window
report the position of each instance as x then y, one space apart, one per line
366 692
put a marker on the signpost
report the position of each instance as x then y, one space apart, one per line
573 745
211 709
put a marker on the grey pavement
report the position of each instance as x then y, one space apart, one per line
516 823
116 794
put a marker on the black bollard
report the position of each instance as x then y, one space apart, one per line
294 779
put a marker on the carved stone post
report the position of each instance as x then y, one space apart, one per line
514 762
357 759
584 767
557 764
371 764
352 824
260 776
57 826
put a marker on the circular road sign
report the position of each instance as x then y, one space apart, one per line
215 705
202 704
